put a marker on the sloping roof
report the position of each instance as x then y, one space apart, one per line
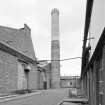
45 67
18 39
86 28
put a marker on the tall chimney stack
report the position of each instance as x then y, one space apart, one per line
55 49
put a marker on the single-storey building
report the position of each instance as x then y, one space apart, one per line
70 82
18 69
44 75
93 54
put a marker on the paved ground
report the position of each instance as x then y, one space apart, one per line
70 104
48 97
44 97
74 100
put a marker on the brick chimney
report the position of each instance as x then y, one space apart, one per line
55 49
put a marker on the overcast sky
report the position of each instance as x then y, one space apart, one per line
37 15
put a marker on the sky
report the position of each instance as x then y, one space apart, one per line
37 15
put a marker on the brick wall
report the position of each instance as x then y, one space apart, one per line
48 80
88 83
33 77
18 39
103 75
94 82
8 72
55 65
91 86
41 80
70 83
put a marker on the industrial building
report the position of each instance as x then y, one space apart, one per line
93 55
70 82
18 69
44 75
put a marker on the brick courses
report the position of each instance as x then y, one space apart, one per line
15 45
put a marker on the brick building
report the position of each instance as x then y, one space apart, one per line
93 56
70 82
18 68
44 75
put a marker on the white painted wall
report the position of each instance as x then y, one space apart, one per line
97 23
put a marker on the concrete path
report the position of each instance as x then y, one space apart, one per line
48 97
74 101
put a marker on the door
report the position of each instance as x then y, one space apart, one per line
22 78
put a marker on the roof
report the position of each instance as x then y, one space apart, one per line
87 23
44 67
18 39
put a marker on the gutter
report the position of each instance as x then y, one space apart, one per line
87 24
97 50
6 48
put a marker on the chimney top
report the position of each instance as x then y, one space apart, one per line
55 10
